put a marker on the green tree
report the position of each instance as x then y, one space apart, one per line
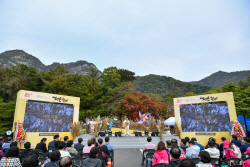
110 77
126 75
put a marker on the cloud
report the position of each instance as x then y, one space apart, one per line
187 40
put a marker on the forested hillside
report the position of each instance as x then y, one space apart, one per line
157 84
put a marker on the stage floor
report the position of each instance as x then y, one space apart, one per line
129 142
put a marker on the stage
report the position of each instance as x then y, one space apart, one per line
128 142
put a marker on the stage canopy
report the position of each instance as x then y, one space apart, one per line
170 121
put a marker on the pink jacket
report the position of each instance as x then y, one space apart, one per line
229 153
160 157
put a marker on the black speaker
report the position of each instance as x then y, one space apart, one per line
155 134
118 134
137 133
146 133
110 133
101 134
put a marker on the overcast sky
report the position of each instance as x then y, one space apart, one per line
184 39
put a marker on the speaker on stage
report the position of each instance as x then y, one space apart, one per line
138 134
118 134
146 132
110 133
155 134
101 134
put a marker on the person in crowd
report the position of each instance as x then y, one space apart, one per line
175 154
246 141
42 145
110 147
187 163
103 149
147 146
34 152
11 158
198 144
25 153
6 146
174 145
66 139
160 155
66 162
174 141
235 149
1 142
247 162
70 147
95 143
52 143
221 145
61 146
193 150
187 140
31 161
235 141
169 145
214 152
92 161
205 159
13 144
217 146
56 146
79 145
88 148
183 145
228 152
53 159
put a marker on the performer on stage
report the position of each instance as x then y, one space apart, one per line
126 125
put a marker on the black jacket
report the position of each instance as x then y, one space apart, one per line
25 153
78 146
174 163
41 146
92 162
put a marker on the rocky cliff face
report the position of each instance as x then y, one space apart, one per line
15 57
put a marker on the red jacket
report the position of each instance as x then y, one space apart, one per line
160 157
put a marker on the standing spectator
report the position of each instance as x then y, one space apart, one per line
235 141
246 141
11 158
147 146
169 145
54 159
42 145
52 144
25 153
88 148
66 162
187 140
198 144
79 145
187 163
228 151
31 161
6 146
193 150
175 157
160 155
63 153
183 145
70 147
66 139
214 152
92 161
205 159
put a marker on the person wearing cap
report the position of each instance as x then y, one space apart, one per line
214 152
228 152
246 144
247 162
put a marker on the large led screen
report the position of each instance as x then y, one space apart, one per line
205 118
47 117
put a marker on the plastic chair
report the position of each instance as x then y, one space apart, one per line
232 161
85 155
149 156
146 151
236 166
78 161
73 155
42 160
161 165
196 160
215 161
79 153
246 158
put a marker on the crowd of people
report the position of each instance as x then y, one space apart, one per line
58 153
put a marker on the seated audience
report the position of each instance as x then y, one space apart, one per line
228 152
198 144
205 159
6 146
174 141
169 145
88 148
217 146
95 143
34 152
175 154
51 145
235 149
42 145
193 150
56 146
103 149
214 152
187 163
247 162
160 155
53 159
187 140
79 145
66 139
174 145
66 161
13 144
25 152
147 146
235 141
63 153
11 158
110 147
92 160
31 161
70 147
246 141
183 145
